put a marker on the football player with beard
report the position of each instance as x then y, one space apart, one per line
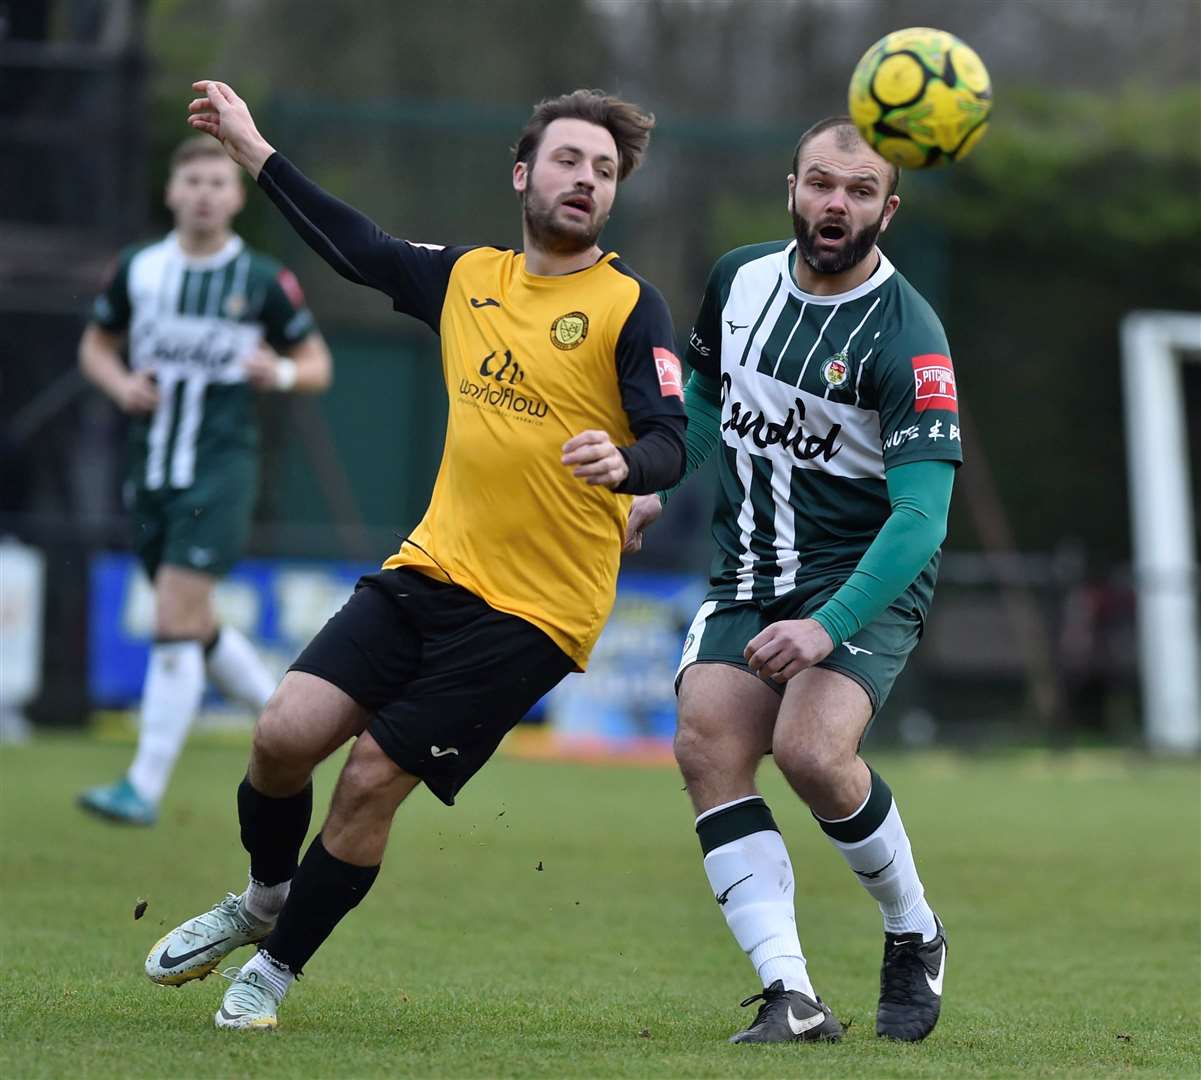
823 382
565 400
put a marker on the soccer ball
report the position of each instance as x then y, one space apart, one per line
920 97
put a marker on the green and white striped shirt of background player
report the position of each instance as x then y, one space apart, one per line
820 395
193 322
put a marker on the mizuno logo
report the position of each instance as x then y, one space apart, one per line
486 302
724 896
854 650
936 983
169 961
799 1027
734 327
438 752
869 874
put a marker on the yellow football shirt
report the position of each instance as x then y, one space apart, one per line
529 362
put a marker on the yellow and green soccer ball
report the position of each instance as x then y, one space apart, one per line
920 97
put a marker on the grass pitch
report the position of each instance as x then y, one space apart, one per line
557 922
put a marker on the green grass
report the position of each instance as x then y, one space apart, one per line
1069 887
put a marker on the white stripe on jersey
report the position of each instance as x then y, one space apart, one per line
755 352
192 299
875 304
183 457
160 428
791 333
816 342
746 526
241 270
787 556
216 288
752 285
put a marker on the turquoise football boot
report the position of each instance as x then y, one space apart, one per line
119 802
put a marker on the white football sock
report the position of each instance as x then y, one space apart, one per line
170 697
883 863
274 974
265 902
751 876
237 671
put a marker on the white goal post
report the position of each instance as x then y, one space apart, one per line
1155 346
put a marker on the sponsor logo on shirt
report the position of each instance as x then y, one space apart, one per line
568 331
291 287
698 343
671 377
789 433
934 383
500 375
902 436
502 369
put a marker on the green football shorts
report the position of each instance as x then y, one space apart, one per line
203 527
873 658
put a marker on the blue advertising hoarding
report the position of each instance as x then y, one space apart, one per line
626 694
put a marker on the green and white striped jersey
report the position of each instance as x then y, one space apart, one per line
820 395
193 322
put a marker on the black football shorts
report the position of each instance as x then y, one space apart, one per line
446 675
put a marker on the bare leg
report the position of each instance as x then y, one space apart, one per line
816 743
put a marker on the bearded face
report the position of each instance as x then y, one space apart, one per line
561 223
830 246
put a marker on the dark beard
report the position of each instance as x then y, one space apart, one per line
834 262
549 236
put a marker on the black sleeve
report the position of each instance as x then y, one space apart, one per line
656 460
414 276
652 392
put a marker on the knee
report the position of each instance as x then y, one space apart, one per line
692 750
370 780
807 765
707 751
273 746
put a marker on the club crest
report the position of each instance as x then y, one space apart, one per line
836 371
568 331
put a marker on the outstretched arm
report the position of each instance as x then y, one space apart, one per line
414 276
227 118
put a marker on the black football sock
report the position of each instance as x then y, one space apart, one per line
273 831
324 889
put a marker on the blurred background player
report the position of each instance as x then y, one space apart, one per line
205 322
826 381
564 399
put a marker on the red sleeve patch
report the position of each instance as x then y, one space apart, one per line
934 383
671 375
291 287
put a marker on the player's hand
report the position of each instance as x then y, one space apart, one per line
787 648
262 368
593 458
644 512
226 117
138 394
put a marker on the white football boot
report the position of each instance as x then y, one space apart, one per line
249 1004
194 948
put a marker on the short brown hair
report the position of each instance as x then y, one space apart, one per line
197 146
848 138
626 122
